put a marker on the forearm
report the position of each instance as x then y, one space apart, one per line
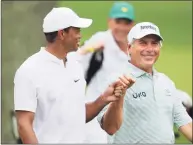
93 108
187 131
113 117
27 134
189 135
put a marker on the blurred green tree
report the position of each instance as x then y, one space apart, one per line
21 37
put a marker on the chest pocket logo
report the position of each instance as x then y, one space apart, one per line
138 95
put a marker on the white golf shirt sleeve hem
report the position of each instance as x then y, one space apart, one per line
184 123
25 109
180 114
181 117
24 91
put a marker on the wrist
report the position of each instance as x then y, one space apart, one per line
102 101
119 103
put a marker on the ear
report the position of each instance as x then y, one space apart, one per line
61 34
109 22
129 48
131 25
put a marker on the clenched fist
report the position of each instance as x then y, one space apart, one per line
117 89
125 82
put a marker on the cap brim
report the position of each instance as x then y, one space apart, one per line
125 16
82 23
152 33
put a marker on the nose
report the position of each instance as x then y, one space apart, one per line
123 29
149 47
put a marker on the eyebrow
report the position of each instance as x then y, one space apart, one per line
140 40
155 40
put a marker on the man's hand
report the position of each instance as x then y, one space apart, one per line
117 89
114 92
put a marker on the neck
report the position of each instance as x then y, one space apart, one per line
148 70
57 50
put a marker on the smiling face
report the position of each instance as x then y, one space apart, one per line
144 52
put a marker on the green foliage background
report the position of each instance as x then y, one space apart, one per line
22 36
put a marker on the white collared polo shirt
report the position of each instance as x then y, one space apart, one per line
150 109
55 93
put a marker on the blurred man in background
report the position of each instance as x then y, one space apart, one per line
110 55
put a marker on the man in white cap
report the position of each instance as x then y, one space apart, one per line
49 89
150 107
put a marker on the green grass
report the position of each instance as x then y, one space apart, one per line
175 22
25 37
178 66
173 18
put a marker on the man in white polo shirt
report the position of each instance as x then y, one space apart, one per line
49 90
149 109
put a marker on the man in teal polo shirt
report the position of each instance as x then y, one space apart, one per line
149 109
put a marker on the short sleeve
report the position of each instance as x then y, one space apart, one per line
180 115
185 98
24 92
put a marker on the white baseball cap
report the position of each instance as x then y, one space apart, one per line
143 29
63 17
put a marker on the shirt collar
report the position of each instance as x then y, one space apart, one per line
50 56
137 72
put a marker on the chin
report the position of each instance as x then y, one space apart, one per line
74 48
148 64
148 60
120 39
